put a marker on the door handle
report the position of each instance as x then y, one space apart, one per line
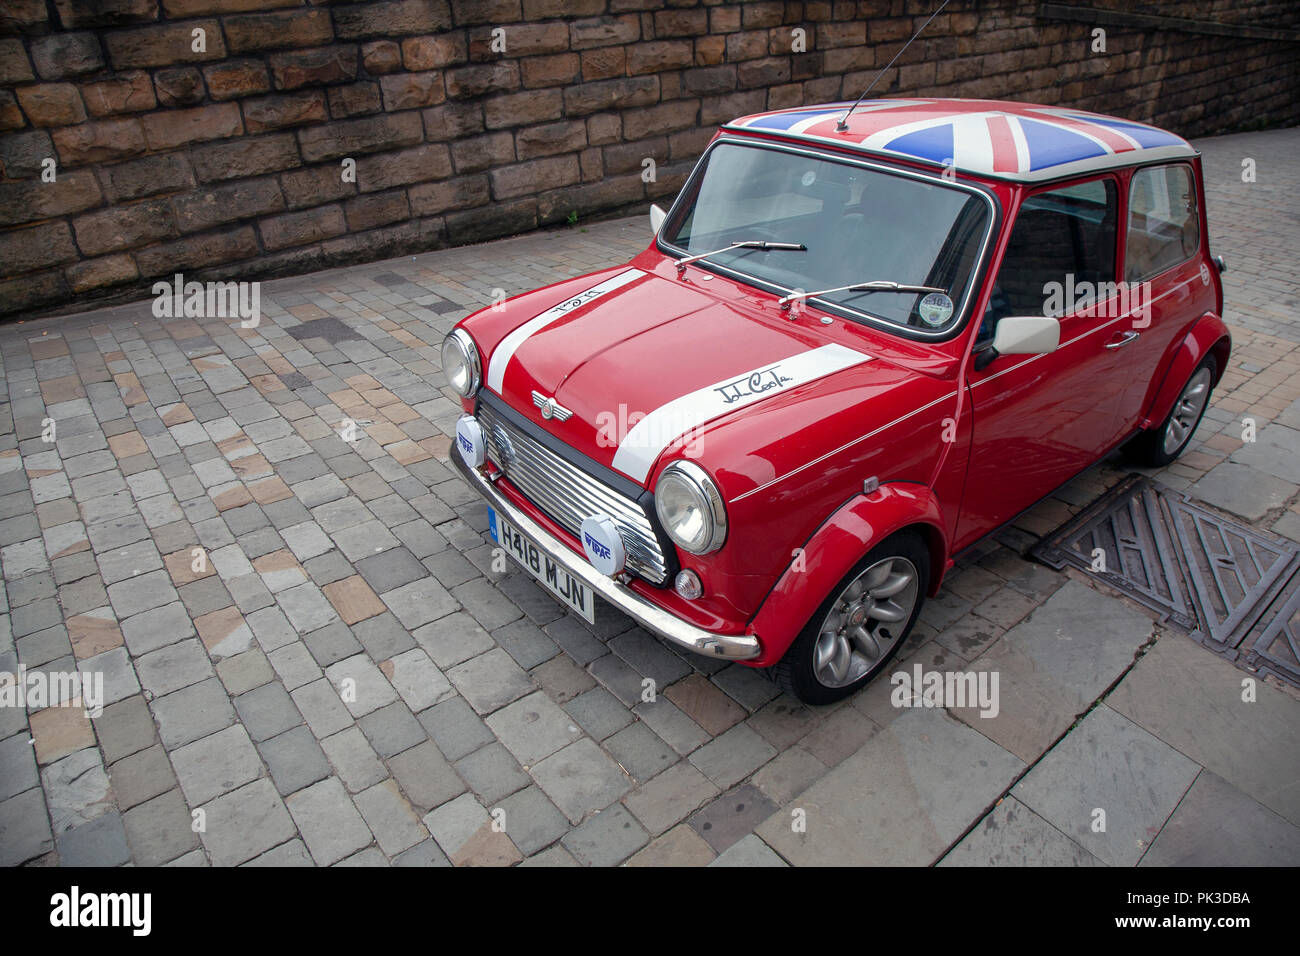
1123 340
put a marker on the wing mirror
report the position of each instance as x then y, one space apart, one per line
1021 335
657 217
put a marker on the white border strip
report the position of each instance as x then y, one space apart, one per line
648 438
508 346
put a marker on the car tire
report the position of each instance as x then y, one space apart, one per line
1161 445
891 581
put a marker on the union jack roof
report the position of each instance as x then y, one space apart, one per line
1004 140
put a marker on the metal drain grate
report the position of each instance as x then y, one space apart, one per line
1208 576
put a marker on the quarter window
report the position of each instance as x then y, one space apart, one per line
1164 225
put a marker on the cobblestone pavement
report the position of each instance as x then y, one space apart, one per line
343 678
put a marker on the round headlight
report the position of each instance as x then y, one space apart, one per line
460 363
690 508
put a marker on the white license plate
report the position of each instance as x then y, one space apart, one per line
570 591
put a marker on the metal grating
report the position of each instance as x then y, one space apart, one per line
568 494
1206 575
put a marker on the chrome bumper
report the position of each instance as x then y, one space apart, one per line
738 647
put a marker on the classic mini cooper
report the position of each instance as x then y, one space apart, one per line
861 339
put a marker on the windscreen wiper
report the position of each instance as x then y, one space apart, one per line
877 285
747 244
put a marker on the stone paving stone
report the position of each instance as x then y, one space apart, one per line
455 728
526 643
1108 763
194 712
141 776
125 728
328 821
59 731
24 828
1053 665
492 773
319 704
76 790
332 643
732 816
225 632
360 684
141 593
532 821
789 774
424 854
533 728
552 857
747 686
640 751
464 831
1217 825
580 779
294 759
490 681
866 810
306 608
598 712
839 735
392 568
683 734
292 853
680 846
1192 700
271 628
750 851
159 831
294 665
172 667
216 764
730 758
391 729
576 641
246 823
562 679
622 680
391 818
649 657
354 759
383 636
267 711
419 602
607 838
425 776
1242 490
705 704
245 671
1013 835
670 797
417 679
101 842
453 639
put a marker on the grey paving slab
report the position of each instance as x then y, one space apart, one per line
1193 701
490 681
246 823
747 852
607 838
1109 786
581 779
902 799
1011 834
1242 490
24 828
328 821
533 728
216 764
1216 825
1053 665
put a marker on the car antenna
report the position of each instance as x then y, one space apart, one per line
843 124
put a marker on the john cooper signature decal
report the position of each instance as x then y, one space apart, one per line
755 384
504 352
647 439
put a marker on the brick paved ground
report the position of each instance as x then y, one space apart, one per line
344 677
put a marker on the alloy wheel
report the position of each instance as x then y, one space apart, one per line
1187 411
867 619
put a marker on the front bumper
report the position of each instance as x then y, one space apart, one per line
731 647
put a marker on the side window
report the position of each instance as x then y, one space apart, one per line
1164 225
1060 239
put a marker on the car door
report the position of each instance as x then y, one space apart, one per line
1040 419
1166 280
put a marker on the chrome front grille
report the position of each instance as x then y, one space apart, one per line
567 494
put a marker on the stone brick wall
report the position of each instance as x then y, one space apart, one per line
299 134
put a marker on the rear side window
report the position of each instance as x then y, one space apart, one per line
1164 225
1061 240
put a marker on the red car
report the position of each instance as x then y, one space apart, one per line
860 341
